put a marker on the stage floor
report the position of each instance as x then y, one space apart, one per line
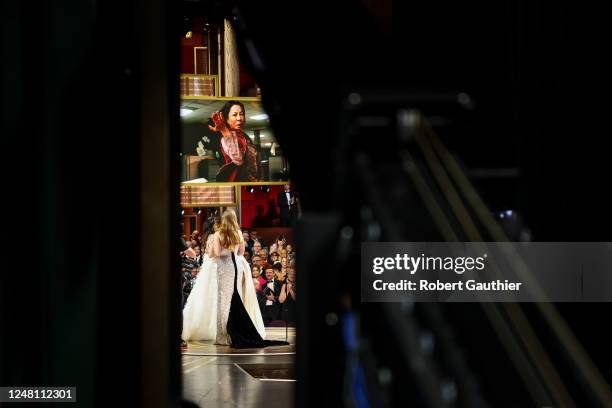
219 376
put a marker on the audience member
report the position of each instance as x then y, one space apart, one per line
274 258
271 292
256 247
255 237
287 297
248 242
197 237
279 272
258 280
256 260
199 255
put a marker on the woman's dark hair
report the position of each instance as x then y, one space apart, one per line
228 105
210 225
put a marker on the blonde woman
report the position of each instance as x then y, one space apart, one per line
238 317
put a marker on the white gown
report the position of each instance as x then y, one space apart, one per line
200 311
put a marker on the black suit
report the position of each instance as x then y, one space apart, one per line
271 312
288 211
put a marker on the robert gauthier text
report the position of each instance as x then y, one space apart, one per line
486 271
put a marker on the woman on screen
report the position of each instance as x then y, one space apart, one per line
239 152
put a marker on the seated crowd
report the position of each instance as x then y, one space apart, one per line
273 273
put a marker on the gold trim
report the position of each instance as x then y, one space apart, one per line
209 52
222 98
198 75
215 79
239 202
237 194
192 196
208 205
250 183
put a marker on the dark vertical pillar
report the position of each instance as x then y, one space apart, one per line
71 291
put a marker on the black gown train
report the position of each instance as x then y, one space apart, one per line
240 327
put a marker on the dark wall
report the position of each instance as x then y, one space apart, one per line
70 281
537 73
